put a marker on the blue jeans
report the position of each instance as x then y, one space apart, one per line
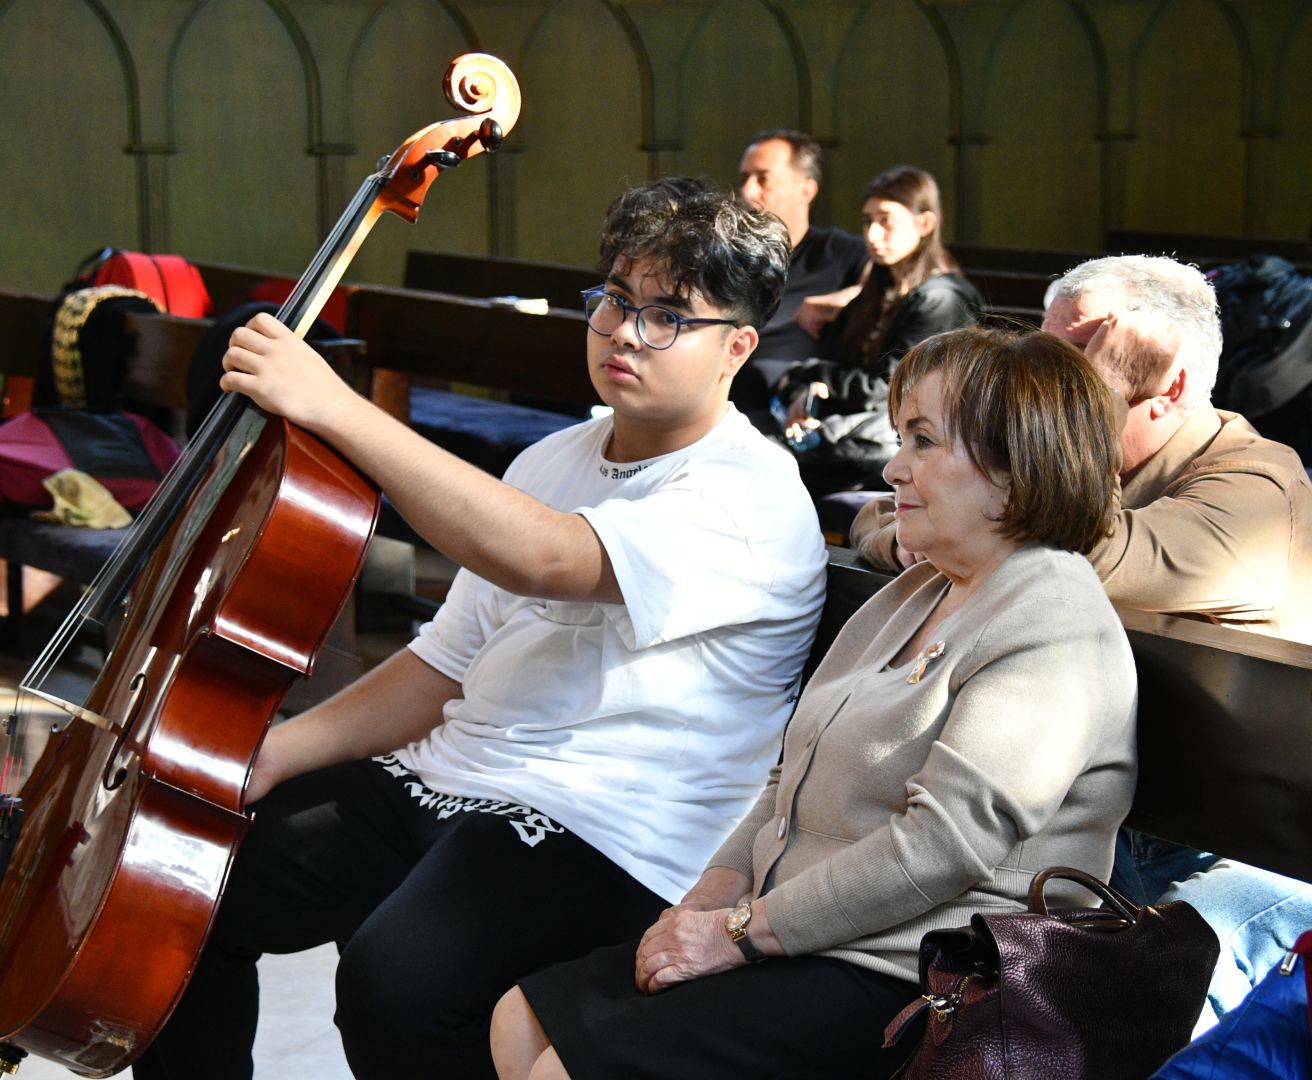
1257 916
1145 866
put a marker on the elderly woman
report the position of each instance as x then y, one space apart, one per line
972 724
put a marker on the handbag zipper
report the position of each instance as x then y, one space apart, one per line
944 1005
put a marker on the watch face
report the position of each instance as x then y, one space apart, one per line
738 918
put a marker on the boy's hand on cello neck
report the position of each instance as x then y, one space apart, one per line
284 375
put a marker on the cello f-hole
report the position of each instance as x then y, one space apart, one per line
116 770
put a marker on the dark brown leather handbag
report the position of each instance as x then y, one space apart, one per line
1103 994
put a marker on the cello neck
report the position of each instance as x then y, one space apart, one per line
325 271
479 84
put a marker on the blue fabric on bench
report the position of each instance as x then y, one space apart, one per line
489 434
72 553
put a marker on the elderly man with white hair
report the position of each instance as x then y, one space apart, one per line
1215 521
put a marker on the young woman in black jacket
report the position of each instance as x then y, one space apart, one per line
836 405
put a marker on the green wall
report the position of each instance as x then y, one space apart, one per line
236 130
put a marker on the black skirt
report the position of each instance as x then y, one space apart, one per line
804 1017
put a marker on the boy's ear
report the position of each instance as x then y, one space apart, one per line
742 343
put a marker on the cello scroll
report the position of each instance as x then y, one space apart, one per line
482 86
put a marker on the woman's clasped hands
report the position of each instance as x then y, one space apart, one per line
690 940
684 943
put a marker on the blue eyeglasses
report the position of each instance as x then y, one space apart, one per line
658 327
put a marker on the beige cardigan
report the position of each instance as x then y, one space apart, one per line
905 807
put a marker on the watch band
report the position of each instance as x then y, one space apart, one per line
749 950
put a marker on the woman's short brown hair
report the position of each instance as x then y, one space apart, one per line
1027 404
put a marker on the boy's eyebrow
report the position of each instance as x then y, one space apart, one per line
664 300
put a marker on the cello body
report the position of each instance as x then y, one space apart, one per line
121 813
101 928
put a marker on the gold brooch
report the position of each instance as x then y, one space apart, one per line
928 653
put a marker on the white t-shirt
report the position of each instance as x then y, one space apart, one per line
646 728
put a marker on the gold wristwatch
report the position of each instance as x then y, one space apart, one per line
736 924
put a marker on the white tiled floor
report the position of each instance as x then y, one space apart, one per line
296 1038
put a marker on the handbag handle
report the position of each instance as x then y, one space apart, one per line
1039 905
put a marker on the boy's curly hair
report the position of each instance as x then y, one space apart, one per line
704 241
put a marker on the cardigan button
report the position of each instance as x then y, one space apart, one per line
783 827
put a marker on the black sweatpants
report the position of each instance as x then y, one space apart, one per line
437 905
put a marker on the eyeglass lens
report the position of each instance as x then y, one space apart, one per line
657 326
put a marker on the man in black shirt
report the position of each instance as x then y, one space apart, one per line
780 172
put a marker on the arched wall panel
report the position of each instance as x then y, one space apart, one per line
242 188
737 77
396 89
1186 167
579 142
1040 168
1288 187
66 184
251 121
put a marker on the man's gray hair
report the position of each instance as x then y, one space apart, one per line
804 152
1169 288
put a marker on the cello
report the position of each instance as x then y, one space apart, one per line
121 808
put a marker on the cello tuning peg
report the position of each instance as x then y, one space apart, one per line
443 159
489 134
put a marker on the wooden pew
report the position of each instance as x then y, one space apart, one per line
478 342
1047 262
230 286
1010 289
488 275
1208 251
418 341
1225 747
26 338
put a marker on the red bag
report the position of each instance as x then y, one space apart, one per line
170 279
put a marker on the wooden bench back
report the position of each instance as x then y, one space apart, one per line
1010 288
1225 742
478 342
1208 250
1049 262
488 275
160 350
1008 291
25 331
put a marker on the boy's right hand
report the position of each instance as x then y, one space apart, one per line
284 375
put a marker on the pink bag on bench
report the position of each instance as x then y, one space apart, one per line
124 451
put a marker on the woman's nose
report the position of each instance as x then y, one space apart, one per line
895 471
